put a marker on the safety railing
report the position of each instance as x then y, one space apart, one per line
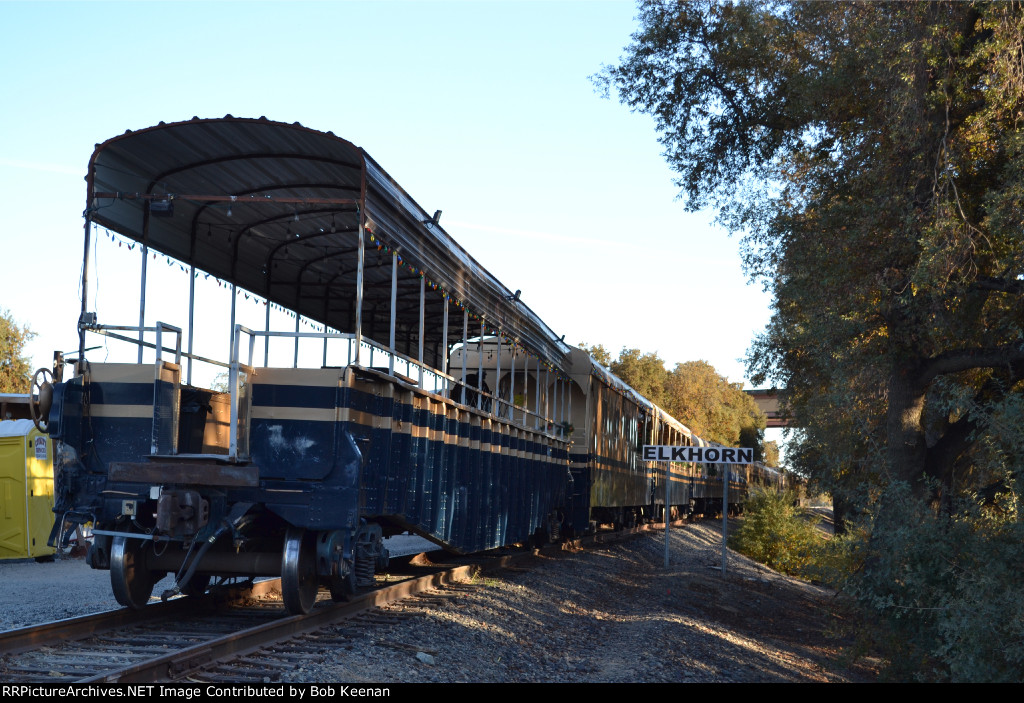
417 373
371 354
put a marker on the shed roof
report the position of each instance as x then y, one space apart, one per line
275 208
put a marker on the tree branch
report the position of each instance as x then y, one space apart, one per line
1001 285
957 360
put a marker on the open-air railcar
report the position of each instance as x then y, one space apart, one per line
301 470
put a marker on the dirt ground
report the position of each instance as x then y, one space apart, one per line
610 614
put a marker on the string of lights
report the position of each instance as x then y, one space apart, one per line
381 246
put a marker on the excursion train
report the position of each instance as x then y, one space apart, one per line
441 404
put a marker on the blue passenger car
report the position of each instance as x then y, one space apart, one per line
441 404
297 470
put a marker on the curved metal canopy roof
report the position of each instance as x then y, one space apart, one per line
276 208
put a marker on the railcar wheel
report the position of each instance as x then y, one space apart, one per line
130 578
299 583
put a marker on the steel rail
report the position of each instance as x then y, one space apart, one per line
179 664
176 664
26 639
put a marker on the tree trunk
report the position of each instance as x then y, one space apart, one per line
907 450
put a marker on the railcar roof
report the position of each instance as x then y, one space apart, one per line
584 364
275 208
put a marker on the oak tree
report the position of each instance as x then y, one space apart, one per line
693 393
871 154
707 403
15 366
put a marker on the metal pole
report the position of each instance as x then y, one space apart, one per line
465 350
266 338
444 343
298 317
568 411
526 385
497 380
327 330
561 405
668 505
547 398
85 293
725 514
142 297
394 299
231 339
233 383
480 367
556 397
536 401
359 290
512 383
191 315
423 312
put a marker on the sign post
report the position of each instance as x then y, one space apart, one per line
668 505
725 513
704 455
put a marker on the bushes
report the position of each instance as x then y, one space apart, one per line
940 593
777 533
945 591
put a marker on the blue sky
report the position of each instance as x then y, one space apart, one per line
483 110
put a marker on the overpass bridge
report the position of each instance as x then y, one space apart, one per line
767 400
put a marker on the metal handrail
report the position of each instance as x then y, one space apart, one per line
449 381
105 330
443 382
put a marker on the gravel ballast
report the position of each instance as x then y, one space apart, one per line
608 614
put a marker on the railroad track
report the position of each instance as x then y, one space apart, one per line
234 636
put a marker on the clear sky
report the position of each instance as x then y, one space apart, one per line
483 110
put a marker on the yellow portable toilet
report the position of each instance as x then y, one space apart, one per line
26 490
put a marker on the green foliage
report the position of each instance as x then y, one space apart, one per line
15 367
871 154
712 407
693 393
644 372
220 382
945 591
777 533
600 354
